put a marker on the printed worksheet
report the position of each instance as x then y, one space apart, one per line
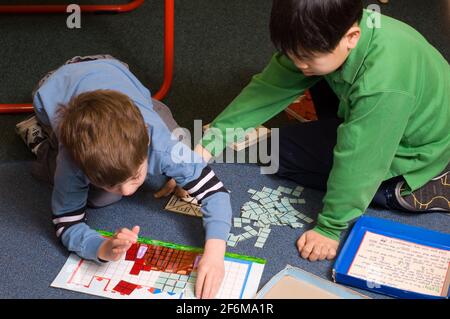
157 270
396 263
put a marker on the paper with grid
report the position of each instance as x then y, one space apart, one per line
119 280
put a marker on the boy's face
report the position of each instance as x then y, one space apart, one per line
130 186
326 63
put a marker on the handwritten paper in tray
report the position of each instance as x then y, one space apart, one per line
395 259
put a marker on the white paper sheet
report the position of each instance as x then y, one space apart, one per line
241 280
396 263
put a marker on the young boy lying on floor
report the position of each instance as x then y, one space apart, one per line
97 135
386 139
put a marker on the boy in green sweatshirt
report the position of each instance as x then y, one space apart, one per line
389 141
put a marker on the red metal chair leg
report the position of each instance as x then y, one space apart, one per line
31 9
169 30
169 35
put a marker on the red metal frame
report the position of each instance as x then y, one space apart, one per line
57 8
169 30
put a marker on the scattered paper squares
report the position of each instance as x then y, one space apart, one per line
268 207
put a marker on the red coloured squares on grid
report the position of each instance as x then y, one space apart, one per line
125 287
146 268
136 269
164 259
132 252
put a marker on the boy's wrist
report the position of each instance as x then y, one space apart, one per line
327 232
92 246
216 247
101 252
203 152
213 141
219 229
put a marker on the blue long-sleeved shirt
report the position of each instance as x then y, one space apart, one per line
166 156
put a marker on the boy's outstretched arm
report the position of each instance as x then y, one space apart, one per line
199 180
366 145
69 204
211 269
216 208
69 200
267 94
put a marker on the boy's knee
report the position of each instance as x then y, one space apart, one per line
165 114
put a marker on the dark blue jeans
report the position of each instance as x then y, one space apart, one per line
306 149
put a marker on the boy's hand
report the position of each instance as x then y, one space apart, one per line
203 152
171 185
314 246
169 188
211 269
113 248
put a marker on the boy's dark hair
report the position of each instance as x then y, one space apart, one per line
105 134
305 27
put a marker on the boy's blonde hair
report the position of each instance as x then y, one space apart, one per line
105 134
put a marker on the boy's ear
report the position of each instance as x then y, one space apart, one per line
352 36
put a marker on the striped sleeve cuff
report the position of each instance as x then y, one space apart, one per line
65 221
205 185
